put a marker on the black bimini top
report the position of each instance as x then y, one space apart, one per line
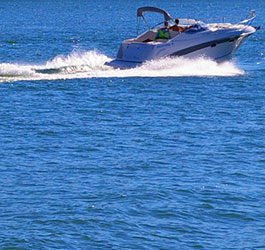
153 9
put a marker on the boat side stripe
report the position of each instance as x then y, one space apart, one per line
202 46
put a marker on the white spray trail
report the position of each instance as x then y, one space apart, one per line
90 64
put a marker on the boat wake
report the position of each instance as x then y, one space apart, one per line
90 64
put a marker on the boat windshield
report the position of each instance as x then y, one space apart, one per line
188 21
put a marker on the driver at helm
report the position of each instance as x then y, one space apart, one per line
178 28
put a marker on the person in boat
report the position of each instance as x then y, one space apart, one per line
178 28
166 26
163 33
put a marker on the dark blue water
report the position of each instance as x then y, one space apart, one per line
168 156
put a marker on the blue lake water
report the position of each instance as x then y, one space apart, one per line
167 156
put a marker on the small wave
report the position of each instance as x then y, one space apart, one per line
90 64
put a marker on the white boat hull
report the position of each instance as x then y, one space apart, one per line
215 41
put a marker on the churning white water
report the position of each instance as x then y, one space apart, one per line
90 64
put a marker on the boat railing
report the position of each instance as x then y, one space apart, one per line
250 19
247 20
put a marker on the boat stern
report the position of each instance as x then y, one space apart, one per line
132 54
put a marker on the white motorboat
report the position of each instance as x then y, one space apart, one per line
218 41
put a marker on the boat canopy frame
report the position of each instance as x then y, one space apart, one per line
141 10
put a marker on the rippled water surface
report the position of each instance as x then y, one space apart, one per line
170 155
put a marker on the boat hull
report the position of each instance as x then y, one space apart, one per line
219 46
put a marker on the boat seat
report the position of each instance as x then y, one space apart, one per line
151 35
161 40
147 36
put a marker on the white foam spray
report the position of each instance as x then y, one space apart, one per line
90 64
